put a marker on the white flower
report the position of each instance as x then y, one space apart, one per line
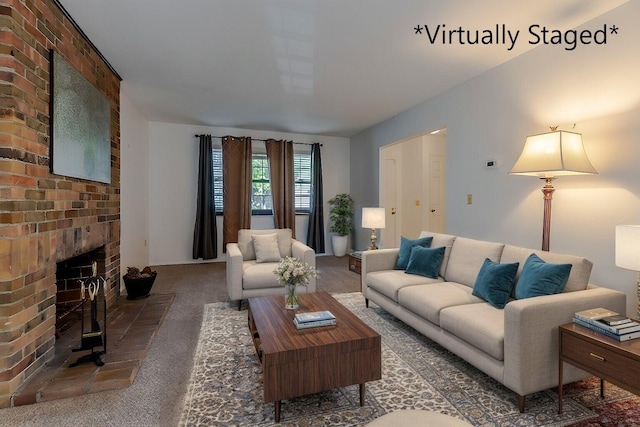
293 271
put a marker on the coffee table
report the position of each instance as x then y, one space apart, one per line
297 362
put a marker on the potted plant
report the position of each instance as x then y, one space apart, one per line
341 216
139 283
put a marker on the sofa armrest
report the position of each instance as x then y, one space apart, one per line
378 260
234 271
307 255
531 334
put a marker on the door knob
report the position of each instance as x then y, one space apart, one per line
393 211
433 210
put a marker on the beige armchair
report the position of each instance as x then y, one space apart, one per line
251 261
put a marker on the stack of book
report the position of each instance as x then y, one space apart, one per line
609 323
313 319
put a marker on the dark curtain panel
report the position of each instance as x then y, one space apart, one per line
280 155
315 231
205 240
236 186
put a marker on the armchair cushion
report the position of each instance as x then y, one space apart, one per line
259 275
266 247
245 242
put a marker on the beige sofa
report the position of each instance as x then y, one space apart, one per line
248 276
516 345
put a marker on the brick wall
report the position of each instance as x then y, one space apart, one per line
45 218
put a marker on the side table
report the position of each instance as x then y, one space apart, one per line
609 359
355 262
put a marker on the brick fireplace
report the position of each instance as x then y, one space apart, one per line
45 218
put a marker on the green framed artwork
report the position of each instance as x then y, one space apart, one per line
80 125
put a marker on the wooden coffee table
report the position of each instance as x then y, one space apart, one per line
297 362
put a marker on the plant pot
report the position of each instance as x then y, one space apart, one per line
339 245
140 287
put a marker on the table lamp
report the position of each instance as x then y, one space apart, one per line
373 218
628 251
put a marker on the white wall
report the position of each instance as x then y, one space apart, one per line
596 87
173 171
134 186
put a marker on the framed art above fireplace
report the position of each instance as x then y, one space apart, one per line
80 125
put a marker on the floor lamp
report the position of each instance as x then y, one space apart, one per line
373 218
548 156
628 251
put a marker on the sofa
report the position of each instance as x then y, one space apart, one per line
251 261
516 344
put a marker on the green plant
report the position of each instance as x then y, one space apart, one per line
341 214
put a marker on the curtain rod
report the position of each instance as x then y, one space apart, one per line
262 140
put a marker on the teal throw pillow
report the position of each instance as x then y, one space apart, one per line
541 278
425 261
495 282
405 250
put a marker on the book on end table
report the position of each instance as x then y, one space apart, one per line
625 329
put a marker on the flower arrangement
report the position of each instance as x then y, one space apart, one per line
292 272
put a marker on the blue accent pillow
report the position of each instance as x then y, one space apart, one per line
425 261
495 282
405 250
541 278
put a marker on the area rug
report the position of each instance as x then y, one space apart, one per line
226 384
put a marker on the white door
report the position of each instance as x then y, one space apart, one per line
437 193
389 191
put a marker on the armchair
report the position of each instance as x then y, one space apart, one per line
251 261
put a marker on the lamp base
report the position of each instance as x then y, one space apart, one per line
374 240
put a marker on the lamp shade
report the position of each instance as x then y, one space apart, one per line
557 153
373 217
628 247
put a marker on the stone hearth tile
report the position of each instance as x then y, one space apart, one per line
116 375
63 388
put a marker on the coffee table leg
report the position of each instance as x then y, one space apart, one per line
277 415
362 394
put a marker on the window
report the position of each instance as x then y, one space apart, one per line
261 187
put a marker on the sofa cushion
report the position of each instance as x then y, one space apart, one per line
495 282
428 300
266 247
425 261
405 250
541 278
580 270
259 275
480 325
389 282
445 240
245 242
467 257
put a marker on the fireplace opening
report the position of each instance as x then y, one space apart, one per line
70 275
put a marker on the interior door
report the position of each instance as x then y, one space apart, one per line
389 192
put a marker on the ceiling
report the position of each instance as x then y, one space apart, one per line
327 67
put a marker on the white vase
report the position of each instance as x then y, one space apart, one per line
339 245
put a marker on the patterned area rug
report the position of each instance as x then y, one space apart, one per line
226 384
